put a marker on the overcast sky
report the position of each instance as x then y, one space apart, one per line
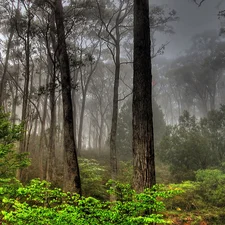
193 20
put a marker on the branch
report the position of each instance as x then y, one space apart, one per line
125 96
198 4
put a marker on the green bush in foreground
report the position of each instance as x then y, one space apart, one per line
37 203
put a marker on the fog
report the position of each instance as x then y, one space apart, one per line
72 114
192 20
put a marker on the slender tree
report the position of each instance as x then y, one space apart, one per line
143 144
115 27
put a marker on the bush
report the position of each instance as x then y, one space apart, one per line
10 160
92 178
188 200
211 186
194 144
37 203
202 201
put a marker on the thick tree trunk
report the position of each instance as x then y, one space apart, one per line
143 145
71 169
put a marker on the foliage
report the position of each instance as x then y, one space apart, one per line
125 172
10 160
92 178
211 186
202 200
186 201
37 204
192 145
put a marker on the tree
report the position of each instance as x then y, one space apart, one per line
114 27
71 169
86 74
100 104
143 142
7 11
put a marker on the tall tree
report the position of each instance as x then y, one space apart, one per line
71 169
143 143
113 29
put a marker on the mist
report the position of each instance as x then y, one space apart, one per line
101 101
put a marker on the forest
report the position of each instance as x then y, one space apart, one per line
112 112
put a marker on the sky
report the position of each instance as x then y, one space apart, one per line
192 20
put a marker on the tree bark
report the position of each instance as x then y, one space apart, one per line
42 147
84 93
71 170
100 135
3 80
51 161
15 99
143 145
51 165
22 173
113 150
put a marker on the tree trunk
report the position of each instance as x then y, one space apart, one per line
100 134
51 161
89 134
74 115
15 99
71 169
51 165
42 147
143 145
113 150
22 173
81 122
5 70
75 107
60 127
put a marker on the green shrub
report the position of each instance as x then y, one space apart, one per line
92 178
194 144
125 172
10 160
211 186
37 203
186 201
